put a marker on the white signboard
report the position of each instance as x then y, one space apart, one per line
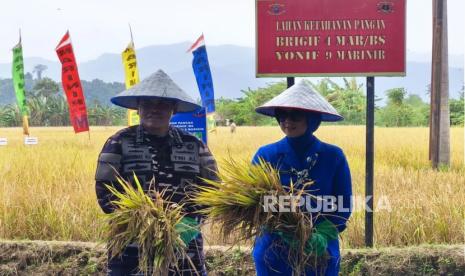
3 141
31 140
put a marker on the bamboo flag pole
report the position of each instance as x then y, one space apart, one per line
130 31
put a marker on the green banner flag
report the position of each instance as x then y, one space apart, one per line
18 78
18 82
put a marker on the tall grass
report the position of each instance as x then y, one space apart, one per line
47 191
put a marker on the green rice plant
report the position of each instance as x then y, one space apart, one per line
235 202
150 221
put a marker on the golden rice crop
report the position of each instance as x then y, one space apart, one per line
236 202
148 220
48 191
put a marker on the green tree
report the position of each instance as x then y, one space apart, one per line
104 115
396 96
46 87
325 86
9 116
39 69
48 106
242 110
456 108
397 112
348 99
420 110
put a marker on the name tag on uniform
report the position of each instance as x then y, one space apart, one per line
185 158
187 153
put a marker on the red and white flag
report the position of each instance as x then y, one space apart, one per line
197 44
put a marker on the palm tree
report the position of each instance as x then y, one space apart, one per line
9 116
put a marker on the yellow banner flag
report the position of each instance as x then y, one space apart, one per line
132 77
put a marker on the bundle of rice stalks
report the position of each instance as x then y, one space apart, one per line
149 221
236 202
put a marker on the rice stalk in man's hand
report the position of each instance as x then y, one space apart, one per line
237 201
149 221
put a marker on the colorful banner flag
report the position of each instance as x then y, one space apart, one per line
72 85
132 77
18 82
192 122
204 79
203 74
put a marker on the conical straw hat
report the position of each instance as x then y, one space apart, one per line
302 97
157 86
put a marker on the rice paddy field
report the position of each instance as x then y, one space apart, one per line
47 190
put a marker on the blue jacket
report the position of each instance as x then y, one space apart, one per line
327 166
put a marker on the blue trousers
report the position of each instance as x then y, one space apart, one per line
271 260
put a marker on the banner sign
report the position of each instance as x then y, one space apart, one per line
132 77
192 122
31 140
330 38
19 83
3 141
72 85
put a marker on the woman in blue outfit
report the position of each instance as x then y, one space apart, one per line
301 157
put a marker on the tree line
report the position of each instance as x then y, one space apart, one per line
400 108
48 107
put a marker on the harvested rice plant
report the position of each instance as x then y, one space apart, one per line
47 191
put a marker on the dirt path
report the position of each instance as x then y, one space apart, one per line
78 258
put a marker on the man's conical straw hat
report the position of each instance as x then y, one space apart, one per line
302 97
157 86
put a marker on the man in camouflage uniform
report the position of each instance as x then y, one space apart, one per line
160 155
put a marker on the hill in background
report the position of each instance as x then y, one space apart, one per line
233 70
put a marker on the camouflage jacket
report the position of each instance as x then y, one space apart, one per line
174 163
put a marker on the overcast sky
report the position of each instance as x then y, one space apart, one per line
101 26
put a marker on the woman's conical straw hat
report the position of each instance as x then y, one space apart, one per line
157 86
302 97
